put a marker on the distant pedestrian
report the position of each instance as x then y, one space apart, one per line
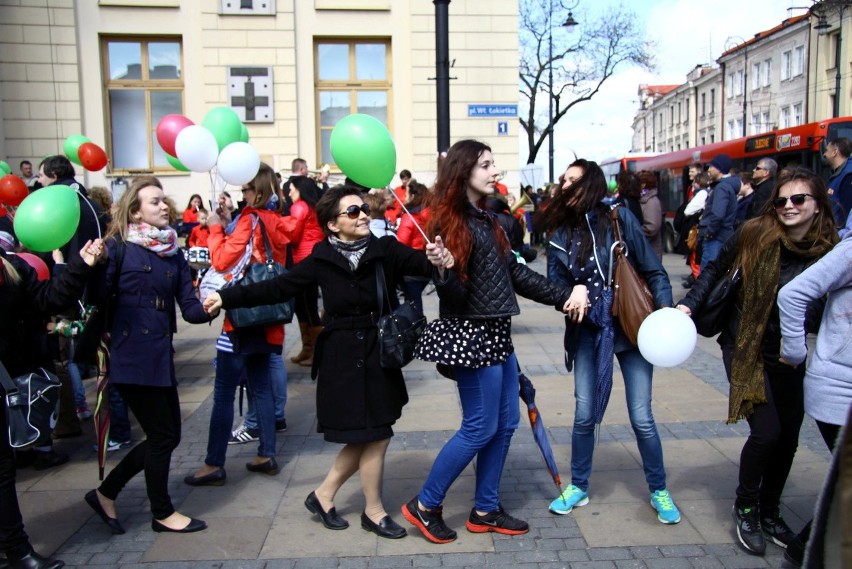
720 210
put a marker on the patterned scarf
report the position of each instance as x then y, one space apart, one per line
747 382
352 250
163 242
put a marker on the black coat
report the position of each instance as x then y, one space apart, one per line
353 391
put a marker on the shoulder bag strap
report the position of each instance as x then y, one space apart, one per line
381 287
266 244
6 381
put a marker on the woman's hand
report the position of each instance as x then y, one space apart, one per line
92 252
58 257
578 303
684 309
439 255
213 304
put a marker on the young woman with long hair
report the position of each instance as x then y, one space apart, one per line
578 256
792 232
471 341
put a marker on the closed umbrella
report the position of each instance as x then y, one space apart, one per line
527 392
601 316
102 411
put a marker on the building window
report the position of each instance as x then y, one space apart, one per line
785 117
740 128
712 138
738 83
729 131
755 123
767 125
797 114
679 115
703 104
712 101
799 61
143 83
703 140
352 76
755 76
767 73
786 65
729 86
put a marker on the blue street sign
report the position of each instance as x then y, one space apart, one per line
488 111
502 127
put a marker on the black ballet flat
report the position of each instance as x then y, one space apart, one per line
385 528
93 502
330 519
193 526
215 478
32 560
269 467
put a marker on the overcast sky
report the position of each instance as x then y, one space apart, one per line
687 33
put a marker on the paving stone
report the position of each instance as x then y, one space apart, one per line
669 563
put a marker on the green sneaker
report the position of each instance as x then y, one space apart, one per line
570 497
667 512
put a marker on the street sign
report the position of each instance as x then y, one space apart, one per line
502 127
489 111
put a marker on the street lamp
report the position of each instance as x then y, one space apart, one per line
744 45
822 27
569 23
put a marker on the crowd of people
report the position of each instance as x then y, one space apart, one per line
776 227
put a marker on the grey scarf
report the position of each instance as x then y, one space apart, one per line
352 250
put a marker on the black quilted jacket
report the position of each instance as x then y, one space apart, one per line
493 280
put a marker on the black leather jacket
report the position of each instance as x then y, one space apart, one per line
493 280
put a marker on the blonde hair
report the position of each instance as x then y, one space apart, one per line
11 272
128 205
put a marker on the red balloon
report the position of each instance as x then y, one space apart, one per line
3 211
13 190
92 157
167 130
36 263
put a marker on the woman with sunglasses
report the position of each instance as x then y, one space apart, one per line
472 343
770 250
358 401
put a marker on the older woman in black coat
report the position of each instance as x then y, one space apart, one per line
358 401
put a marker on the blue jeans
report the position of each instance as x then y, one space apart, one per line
412 290
229 368
490 413
637 374
710 249
278 377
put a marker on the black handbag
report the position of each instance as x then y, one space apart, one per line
266 314
712 315
399 330
32 406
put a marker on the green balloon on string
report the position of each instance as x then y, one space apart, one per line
244 136
176 164
47 219
5 168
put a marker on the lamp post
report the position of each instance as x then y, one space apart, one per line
822 27
742 43
570 22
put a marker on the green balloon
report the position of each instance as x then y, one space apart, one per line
224 124
363 149
5 168
72 145
176 164
612 185
48 218
244 137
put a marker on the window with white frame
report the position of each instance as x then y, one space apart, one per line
729 130
797 114
703 104
740 131
738 83
755 76
712 101
767 72
786 65
729 85
764 119
785 118
755 123
799 61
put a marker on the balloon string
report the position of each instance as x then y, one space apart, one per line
95 215
408 213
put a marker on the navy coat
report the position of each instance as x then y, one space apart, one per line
144 320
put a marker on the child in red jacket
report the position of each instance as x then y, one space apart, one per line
200 233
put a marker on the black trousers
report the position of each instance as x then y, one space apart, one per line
13 538
768 453
158 411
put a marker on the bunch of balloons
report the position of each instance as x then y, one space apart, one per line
221 141
363 149
81 150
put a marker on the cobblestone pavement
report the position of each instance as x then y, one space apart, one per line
259 522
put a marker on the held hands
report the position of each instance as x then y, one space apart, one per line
92 252
577 304
684 309
213 304
439 255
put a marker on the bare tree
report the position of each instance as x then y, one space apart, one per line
581 61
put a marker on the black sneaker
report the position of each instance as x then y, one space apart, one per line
281 426
749 534
498 521
430 523
795 551
776 529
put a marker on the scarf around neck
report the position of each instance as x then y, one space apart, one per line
351 250
747 383
163 241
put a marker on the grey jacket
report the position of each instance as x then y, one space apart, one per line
828 380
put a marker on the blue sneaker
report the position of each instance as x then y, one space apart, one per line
667 512
570 497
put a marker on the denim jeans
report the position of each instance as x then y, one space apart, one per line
490 414
229 368
278 377
710 249
412 290
637 374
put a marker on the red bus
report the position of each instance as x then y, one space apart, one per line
612 166
801 145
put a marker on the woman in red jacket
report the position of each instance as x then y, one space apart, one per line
304 194
246 349
409 234
196 204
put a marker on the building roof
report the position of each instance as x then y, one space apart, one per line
766 33
653 90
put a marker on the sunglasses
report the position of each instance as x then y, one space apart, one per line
796 200
354 211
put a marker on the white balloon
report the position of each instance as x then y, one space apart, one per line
196 148
238 163
667 337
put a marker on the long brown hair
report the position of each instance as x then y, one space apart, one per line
264 185
764 230
128 204
450 204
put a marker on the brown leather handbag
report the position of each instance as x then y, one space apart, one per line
632 302
692 238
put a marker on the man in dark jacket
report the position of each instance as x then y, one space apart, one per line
720 211
836 155
763 182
